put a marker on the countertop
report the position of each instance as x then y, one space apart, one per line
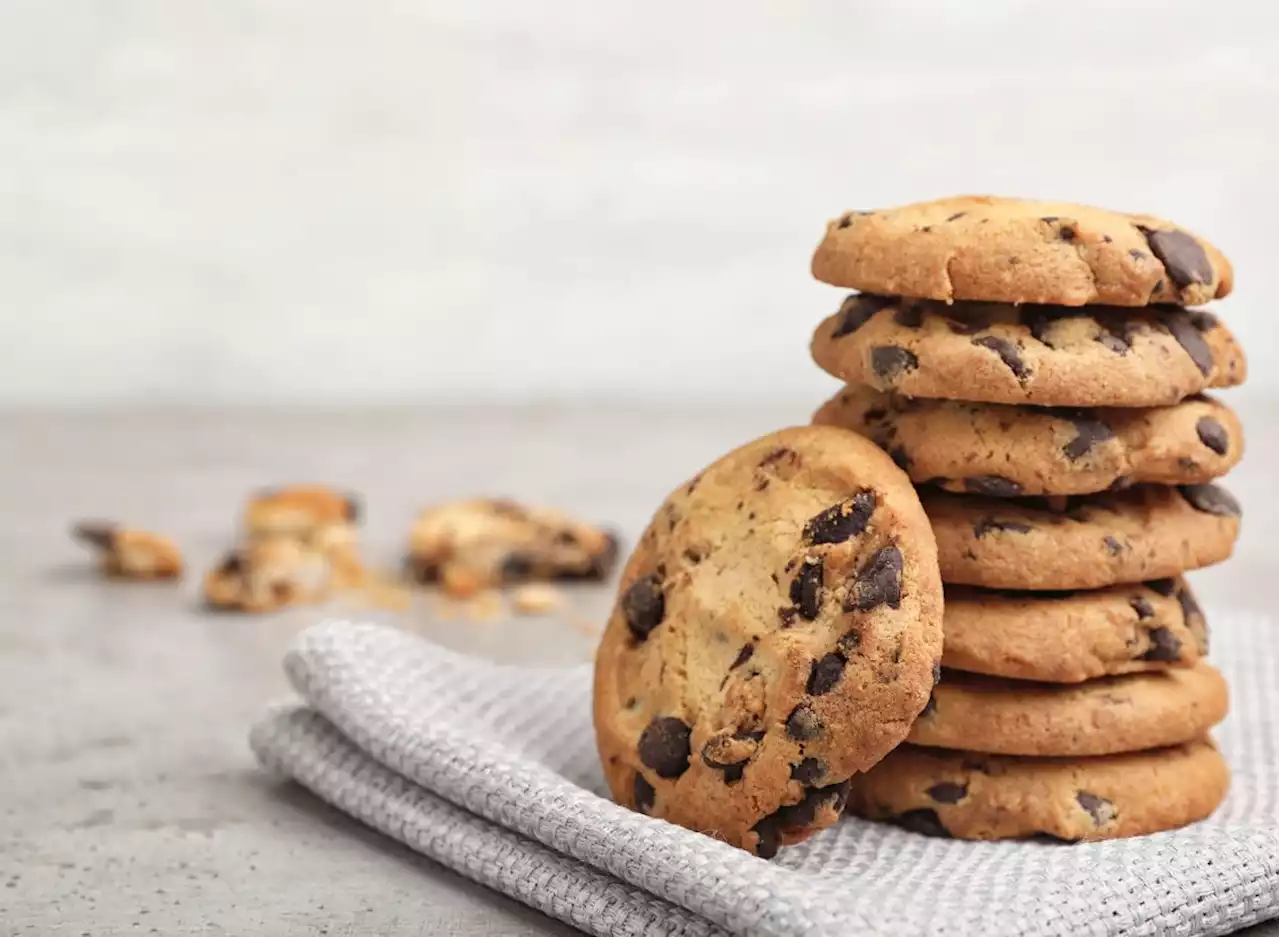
129 802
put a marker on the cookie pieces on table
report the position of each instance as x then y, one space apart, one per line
777 630
130 553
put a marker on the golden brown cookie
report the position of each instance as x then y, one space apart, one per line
1007 450
1098 717
1067 637
968 796
1043 355
127 553
265 574
777 629
1081 541
1010 250
299 511
471 545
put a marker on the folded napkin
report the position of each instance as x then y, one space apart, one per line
492 771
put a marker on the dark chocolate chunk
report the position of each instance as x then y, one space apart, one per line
849 642
947 792
924 821
959 214
1210 499
782 453
842 521
809 771
1067 233
909 315
233 564
878 582
1099 808
1192 342
803 723
825 674
516 566
1114 546
1161 586
1088 434
1143 607
806 589
744 655
987 525
1182 256
798 816
644 606
664 747
856 310
889 361
1165 645
1213 434
1008 353
644 794
95 533
992 485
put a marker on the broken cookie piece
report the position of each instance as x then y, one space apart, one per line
266 574
470 545
128 553
320 519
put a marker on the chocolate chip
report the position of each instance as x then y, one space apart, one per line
992 485
848 643
516 566
1067 233
1142 607
959 214
1008 353
1088 434
1190 608
778 455
1165 645
845 220
95 533
1203 321
856 310
644 606
693 555
923 820
1114 546
1182 256
909 316
803 723
842 521
744 655
664 747
889 361
1161 586
879 582
233 565
806 589
798 816
1213 434
947 792
1210 499
643 794
1192 342
825 674
1101 809
987 525
808 771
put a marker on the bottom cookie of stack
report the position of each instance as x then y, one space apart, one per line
941 792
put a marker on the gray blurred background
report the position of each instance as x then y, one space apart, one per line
279 201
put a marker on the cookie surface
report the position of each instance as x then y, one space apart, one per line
1081 541
1008 450
1044 355
1125 713
1069 637
1020 251
129 553
970 796
777 629
480 542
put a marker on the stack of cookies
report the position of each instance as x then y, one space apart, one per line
1033 368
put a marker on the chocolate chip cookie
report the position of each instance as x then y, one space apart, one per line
265 574
1020 251
128 553
968 796
1124 713
1081 541
299 510
1067 637
776 630
1002 449
473 544
1042 355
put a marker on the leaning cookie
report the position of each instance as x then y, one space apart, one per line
1005 450
777 630
128 553
1069 637
1042 355
299 511
1081 541
967 796
1098 717
1012 250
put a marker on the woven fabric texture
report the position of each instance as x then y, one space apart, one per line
492 771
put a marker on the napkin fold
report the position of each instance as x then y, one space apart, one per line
491 770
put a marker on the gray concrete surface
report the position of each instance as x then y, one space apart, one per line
129 803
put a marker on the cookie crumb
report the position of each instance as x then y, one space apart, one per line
536 599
